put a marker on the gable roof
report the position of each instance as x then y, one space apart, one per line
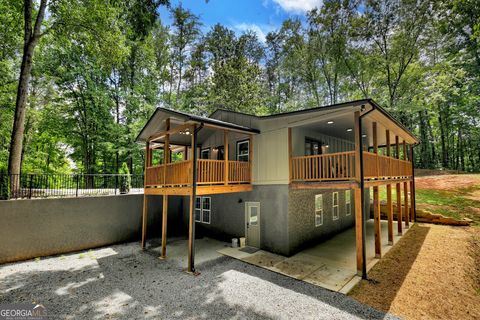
154 123
325 108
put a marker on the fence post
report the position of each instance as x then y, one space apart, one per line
78 181
116 183
30 187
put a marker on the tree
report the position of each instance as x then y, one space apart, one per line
185 30
32 33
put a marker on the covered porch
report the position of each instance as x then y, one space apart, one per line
188 155
357 147
330 264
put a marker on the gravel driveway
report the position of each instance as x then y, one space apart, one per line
124 282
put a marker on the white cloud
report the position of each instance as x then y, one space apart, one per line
298 6
260 30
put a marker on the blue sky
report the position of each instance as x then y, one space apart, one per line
261 16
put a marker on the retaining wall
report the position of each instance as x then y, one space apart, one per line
42 227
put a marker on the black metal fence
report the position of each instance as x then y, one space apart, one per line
27 186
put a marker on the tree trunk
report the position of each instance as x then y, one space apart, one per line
31 36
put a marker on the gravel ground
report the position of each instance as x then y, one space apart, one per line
123 282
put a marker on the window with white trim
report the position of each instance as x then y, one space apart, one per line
335 212
348 202
243 150
203 209
318 210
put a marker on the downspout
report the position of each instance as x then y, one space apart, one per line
362 190
194 190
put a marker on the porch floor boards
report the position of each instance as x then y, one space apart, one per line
330 264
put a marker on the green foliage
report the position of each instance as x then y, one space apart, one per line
125 179
4 185
102 67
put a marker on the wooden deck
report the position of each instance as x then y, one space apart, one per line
213 176
338 169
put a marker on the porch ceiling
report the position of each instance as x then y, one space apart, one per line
340 124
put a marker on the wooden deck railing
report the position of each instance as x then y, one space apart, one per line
177 173
341 166
325 167
209 172
239 171
379 166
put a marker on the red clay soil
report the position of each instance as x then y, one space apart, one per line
432 273
450 182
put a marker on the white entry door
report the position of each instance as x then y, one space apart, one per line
252 227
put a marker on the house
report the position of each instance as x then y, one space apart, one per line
284 181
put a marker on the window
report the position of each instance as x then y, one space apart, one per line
205 153
243 150
198 209
336 216
348 203
318 210
203 209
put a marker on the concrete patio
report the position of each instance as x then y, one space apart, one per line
330 264
124 282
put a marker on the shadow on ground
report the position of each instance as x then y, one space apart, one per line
388 275
124 282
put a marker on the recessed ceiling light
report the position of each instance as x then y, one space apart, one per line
349 129
330 122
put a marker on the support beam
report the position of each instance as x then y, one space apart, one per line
412 187
376 222
405 190
145 199
405 205
164 226
166 150
358 230
376 200
250 156
225 156
289 155
359 201
399 192
191 220
389 195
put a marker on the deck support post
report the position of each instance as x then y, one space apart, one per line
389 197
399 192
145 199
289 155
412 188
191 220
250 156
225 156
405 191
164 226
376 200
166 160
359 198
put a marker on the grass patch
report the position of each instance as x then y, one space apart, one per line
456 203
